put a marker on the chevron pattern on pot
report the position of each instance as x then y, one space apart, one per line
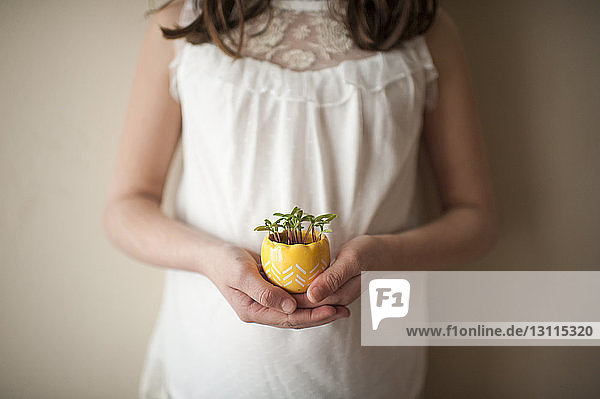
294 277
294 267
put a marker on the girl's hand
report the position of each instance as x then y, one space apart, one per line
339 284
236 273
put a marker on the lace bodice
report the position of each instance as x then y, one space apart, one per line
298 35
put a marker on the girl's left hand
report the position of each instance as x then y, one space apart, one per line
339 284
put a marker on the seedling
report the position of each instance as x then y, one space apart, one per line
292 228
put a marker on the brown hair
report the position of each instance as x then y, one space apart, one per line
373 24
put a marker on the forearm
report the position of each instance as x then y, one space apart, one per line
460 234
138 226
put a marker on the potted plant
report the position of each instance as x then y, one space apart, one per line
293 256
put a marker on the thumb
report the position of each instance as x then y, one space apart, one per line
267 294
337 274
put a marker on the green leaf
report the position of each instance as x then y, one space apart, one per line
291 223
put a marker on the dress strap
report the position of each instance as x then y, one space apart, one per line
187 15
431 72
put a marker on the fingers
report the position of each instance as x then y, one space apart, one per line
265 293
251 311
335 276
345 295
255 255
301 318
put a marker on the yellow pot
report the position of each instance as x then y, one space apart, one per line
294 267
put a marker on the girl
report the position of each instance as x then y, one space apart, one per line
320 104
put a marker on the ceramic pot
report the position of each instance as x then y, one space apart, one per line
293 267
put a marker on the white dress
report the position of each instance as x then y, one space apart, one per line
335 131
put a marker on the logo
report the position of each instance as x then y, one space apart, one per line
389 298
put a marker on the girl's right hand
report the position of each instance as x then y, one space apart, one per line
235 272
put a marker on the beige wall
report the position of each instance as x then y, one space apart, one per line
76 314
536 69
